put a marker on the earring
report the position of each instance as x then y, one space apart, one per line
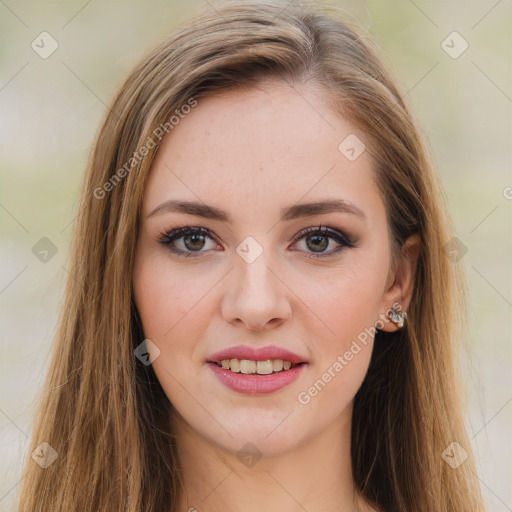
398 317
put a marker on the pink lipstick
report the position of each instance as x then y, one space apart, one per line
237 367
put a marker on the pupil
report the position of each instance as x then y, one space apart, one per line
195 239
317 241
316 238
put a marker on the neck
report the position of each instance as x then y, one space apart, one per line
315 475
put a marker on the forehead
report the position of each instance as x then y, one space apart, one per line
266 145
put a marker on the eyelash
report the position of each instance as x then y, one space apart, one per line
345 241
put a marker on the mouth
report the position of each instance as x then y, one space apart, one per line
257 376
256 367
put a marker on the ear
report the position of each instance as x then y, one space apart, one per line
400 285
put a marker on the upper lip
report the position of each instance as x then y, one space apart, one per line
256 354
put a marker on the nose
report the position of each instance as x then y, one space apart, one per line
256 295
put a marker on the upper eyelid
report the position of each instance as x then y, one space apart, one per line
333 233
324 230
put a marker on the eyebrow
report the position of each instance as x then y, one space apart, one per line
291 212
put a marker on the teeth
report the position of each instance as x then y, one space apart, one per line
248 366
264 367
278 365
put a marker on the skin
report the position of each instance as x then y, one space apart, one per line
251 153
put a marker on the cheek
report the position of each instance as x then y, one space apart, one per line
347 302
346 298
169 299
172 305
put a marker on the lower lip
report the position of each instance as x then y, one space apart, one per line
254 384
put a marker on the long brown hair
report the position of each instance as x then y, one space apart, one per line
104 412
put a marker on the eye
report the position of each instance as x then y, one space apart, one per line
193 239
318 239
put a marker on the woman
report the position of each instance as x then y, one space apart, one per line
262 315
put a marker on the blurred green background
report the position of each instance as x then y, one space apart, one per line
50 111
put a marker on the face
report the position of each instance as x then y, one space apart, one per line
263 274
